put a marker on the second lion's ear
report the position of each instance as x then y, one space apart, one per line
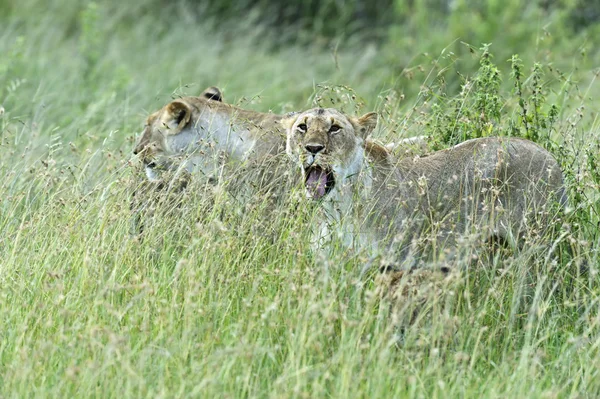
212 93
177 114
365 124
288 120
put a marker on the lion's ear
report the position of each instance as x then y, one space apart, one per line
288 120
177 114
212 93
366 124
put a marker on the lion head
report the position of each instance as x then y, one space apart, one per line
173 131
328 147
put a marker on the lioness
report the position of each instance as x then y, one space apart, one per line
202 133
495 188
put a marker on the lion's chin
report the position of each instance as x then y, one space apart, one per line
319 181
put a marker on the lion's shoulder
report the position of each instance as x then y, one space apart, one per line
378 153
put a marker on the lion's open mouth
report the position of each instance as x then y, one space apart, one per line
319 181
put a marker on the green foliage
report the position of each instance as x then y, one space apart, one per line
478 110
487 89
475 112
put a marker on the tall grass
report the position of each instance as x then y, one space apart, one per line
223 299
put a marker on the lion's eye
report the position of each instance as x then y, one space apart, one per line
301 128
334 129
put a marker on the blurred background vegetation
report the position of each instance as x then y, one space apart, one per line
398 40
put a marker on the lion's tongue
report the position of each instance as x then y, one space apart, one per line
316 182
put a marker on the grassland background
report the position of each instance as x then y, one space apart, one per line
208 304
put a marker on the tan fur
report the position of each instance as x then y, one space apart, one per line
220 144
489 187
409 147
378 153
202 133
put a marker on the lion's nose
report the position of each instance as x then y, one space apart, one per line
314 148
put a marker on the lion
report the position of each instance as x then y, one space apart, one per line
211 144
203 133
496 189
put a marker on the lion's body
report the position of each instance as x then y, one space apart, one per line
490 187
